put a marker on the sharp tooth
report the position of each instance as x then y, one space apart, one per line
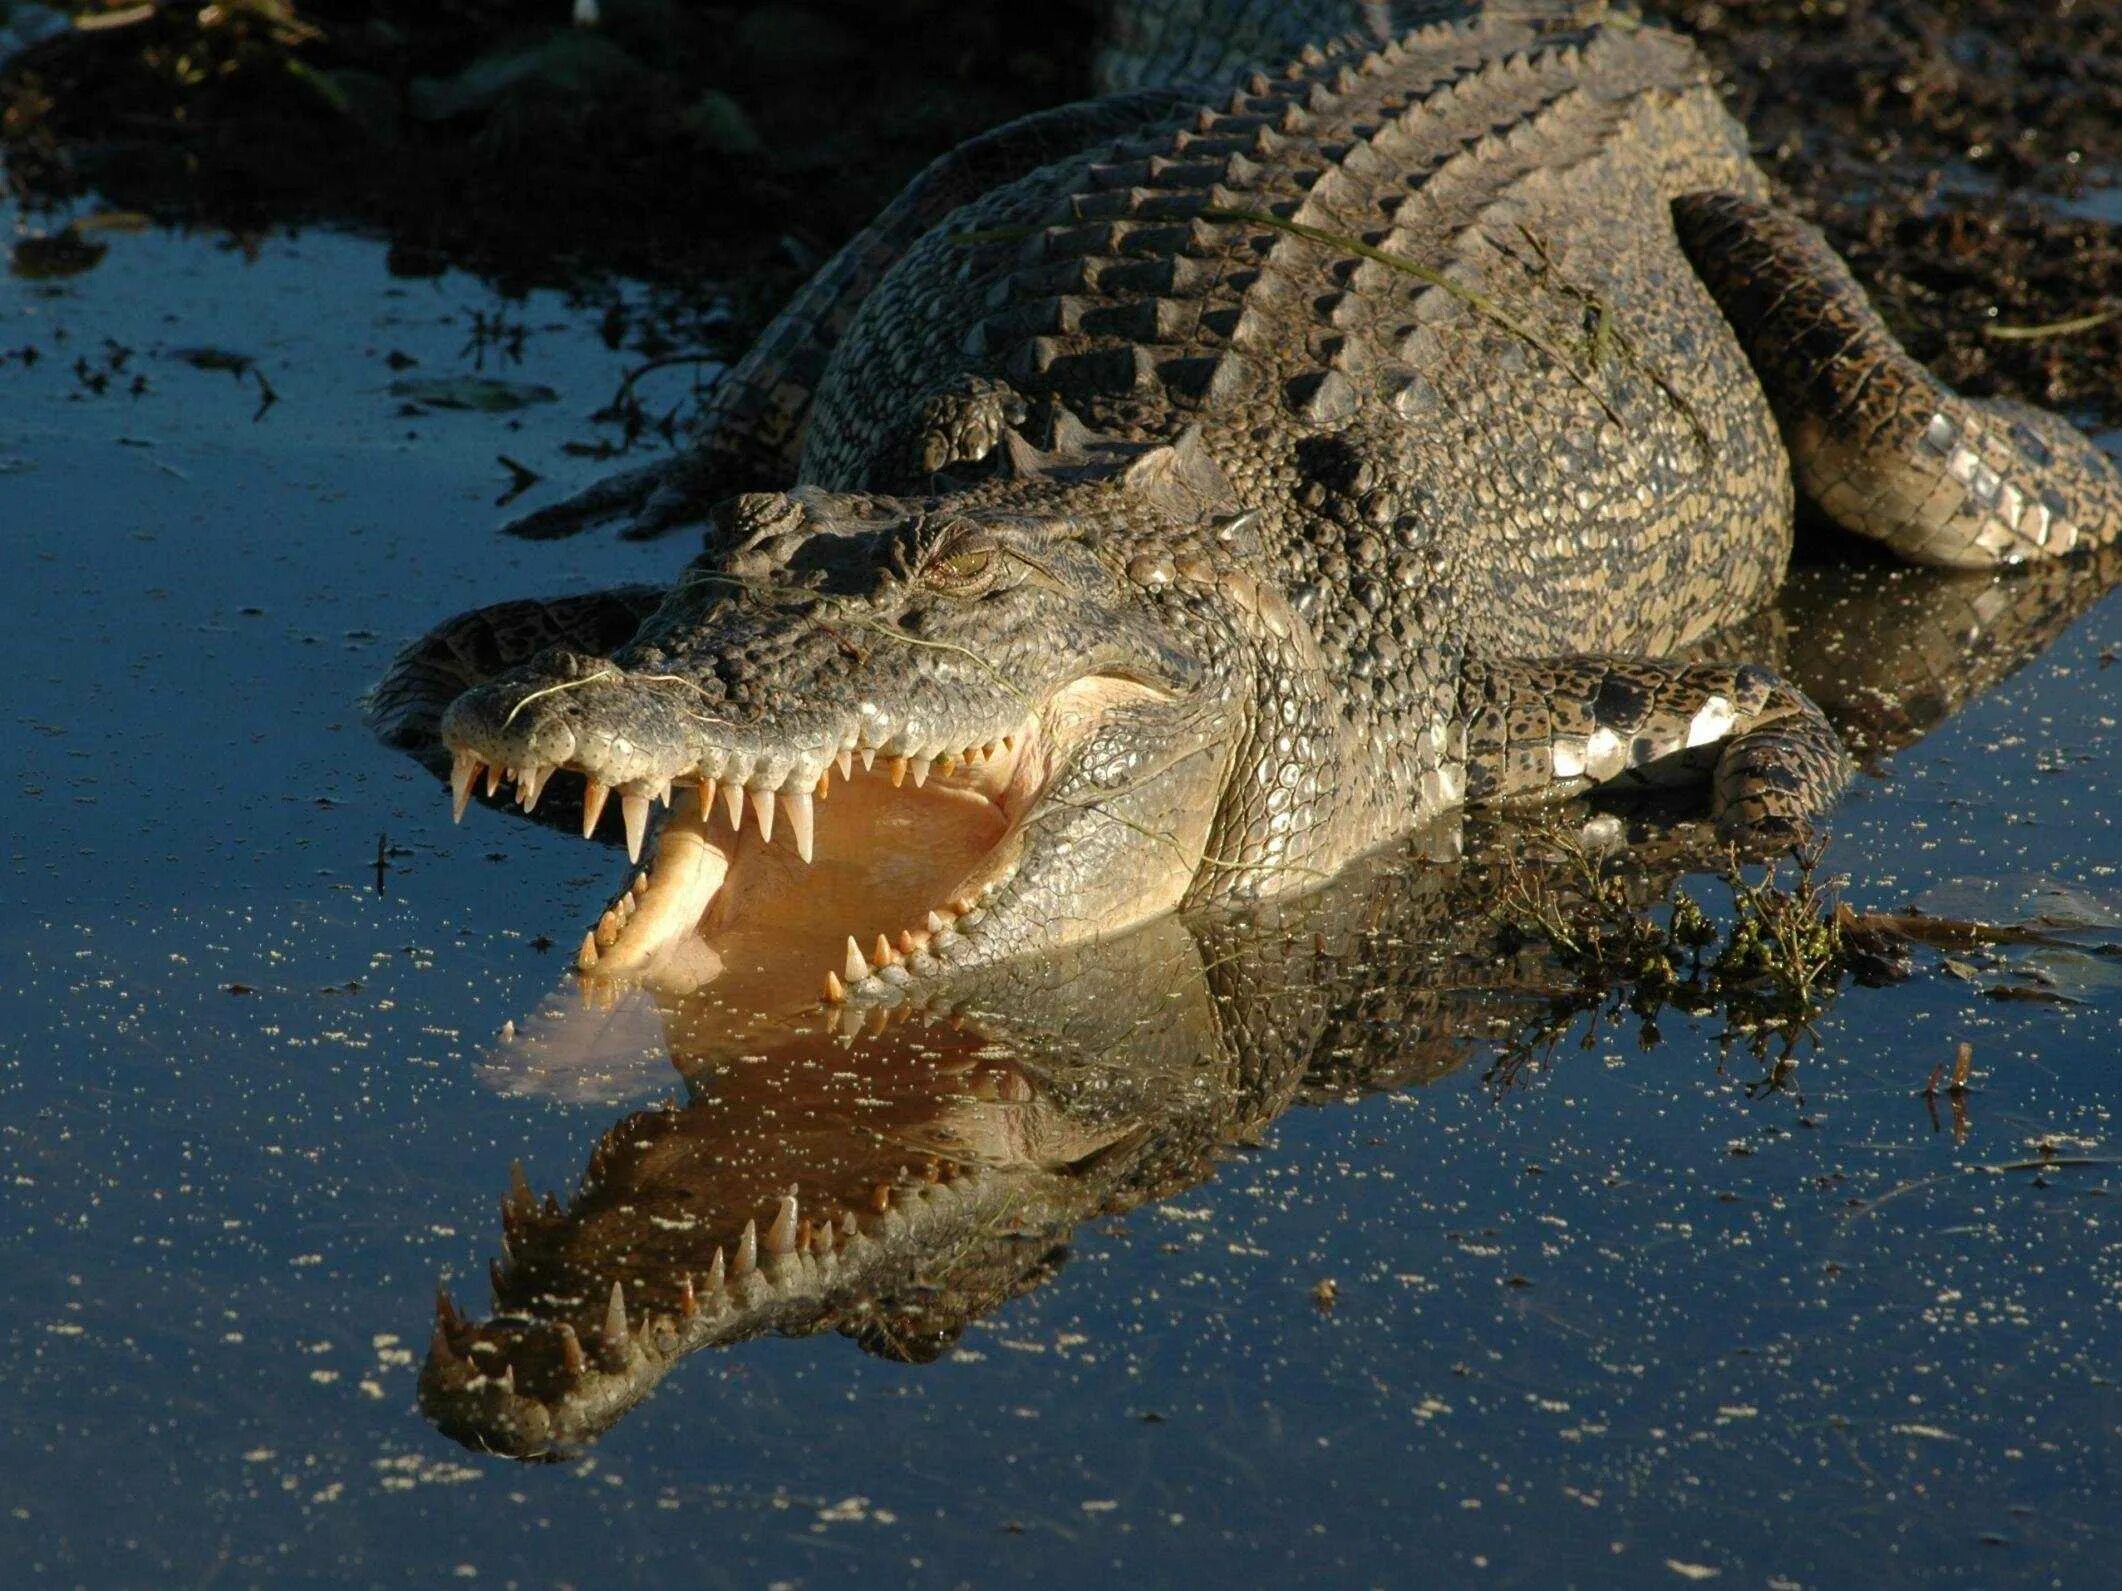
688 1303
946 765
640 884
662 793
763 810
857 968
824 786
936 923
847 1224
920 772
607 931
962 905
988 750
439 1349
586 958
835 990
706 793
869 758
908 944
733 800
463 770
532 785
781 1236
822 1239
634 808
1009 742
897 768
845 762
882 954
799 823
615 1332
493 778
571 1353
593 795
747 1259
715 1273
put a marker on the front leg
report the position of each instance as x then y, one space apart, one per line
1545 729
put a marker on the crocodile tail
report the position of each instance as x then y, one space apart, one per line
1878 443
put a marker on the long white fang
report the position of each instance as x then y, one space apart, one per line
586 957
747 1257
463 770
763 810
869 758
593 795
845 762
798 808
733 799
857 968
781 1236
493 779
634 808
532 785
921 766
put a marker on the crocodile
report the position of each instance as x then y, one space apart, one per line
892 1173
1345 419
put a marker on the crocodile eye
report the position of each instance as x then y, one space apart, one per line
963 563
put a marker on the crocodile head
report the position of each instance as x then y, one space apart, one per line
898 734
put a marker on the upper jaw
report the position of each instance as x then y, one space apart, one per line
644 735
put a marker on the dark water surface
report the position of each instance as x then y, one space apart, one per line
1635 1320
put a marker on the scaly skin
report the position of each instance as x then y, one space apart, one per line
1283 462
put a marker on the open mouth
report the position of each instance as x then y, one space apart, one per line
858 864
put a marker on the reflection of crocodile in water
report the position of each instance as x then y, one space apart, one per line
1173 496
893 1175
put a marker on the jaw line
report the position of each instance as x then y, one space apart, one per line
713 900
